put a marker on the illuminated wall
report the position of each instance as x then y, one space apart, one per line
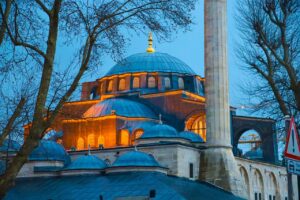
94 132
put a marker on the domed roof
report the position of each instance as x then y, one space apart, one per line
49 150
122 107
159 131
193 137
134 159
87 162
10 145
254 153
150 62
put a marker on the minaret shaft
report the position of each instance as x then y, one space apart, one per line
216 74
217 164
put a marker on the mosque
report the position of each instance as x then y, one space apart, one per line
138 132
141 132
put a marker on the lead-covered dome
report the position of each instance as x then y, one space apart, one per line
49 150
87 162
193 137
160 131
135 159
150 62
119 106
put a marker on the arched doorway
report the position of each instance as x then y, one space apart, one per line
249 145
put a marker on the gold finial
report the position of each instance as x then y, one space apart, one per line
150 49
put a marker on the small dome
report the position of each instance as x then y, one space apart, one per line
10 145
87 162
254 153
150 62
160 131
135 159
193 137
122 107
49 151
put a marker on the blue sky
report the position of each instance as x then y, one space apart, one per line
189 47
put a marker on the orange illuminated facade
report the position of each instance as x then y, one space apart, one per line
116 109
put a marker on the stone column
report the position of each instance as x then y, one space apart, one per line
218 165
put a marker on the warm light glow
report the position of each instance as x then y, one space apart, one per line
136 82
124 137
197 124
80 144
101 141
110 86
122 85
91 140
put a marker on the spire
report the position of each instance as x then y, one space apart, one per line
150 49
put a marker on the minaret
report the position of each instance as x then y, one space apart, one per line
218 165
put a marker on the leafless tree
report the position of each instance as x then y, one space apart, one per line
33 31
270 51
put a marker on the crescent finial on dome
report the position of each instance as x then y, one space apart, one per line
150 48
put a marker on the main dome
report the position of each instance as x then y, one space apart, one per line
150 62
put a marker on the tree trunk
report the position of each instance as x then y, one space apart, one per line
7 179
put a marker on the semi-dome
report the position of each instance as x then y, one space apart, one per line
150 62
135 159
120 106
10 145
87 162
160 131
193 137
49 150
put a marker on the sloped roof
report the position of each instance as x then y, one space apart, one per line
112 186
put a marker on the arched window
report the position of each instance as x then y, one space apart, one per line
91 140
94 92
138 133
80 144
109 86
101 141
180 83
151 82
124 137
250 145
197 124
122 84
136 82
167 83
